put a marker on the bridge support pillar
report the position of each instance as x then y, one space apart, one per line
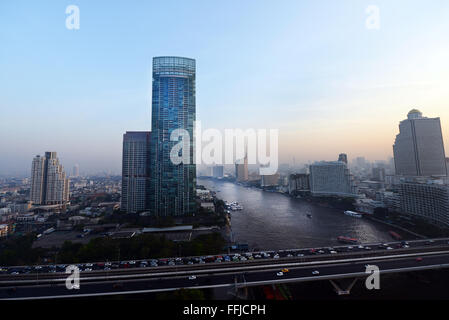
339 286
239 291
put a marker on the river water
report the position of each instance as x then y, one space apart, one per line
273 221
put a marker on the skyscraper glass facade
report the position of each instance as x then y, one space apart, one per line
172 187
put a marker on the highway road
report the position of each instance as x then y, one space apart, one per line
241 275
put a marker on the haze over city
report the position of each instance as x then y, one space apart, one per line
328 83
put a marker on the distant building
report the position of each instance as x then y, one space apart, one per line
135 171
419 148
241 170
343 157
76 171
49 184
270 180
218 171
330 179
379 174
426 200
298 183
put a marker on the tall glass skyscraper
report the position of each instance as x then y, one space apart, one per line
172 190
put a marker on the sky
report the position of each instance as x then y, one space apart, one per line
311 69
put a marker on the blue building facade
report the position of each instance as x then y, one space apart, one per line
172 188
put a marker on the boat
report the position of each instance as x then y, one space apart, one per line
353 214
234 206
395 235
347 240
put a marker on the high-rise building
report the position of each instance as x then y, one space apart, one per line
419 148
427 200
135 171
49 184
330 179
76 171
172 187
241 169
343 157
379 174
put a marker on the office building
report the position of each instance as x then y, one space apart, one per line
330 179
135 171
298 183
419 148
49 184
172 186
241 170
271 180
379 174
427 200
343 157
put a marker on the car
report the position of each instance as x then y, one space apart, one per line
316 272
106 269
276 256
389 248
405 246
300 255
285 270
419 259
333 252
280 274
88 269
192 277
289 255
367 248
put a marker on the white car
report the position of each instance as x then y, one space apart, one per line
192 277
276 257
389 248
333 252
280 274
316 272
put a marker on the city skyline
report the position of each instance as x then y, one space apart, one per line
344 90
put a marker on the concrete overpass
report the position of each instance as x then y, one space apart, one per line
420 255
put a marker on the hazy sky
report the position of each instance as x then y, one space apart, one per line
308 68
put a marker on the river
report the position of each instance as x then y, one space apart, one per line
273 221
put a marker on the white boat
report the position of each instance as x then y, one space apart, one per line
353 214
